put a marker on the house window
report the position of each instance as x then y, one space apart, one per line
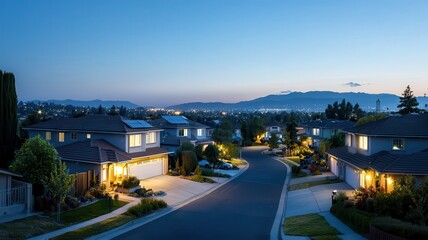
182 132
333 132
48 136
200 132
151 137
88 135
349 140
61 137
363 142
135 140
397 144
316 131
73 135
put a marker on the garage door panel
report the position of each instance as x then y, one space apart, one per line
352 177
333 167
146 169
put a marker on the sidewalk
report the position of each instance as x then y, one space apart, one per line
178 193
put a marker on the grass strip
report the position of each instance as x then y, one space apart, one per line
312 225
311 184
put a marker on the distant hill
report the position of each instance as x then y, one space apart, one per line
303 101
91 103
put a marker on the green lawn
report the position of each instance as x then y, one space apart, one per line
37 225
295 159
312 225
311 184
236 162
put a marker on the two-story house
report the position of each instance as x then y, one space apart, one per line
273 129
378 152
179 129
317 130
112 146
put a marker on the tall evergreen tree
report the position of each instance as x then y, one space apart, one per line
8 118
408 102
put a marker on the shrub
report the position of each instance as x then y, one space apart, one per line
341 196
116 197
130 182
296 170
399 228
370 205
201 179
190 161
145 206
348 204
357 220
96 192
71 202
198 171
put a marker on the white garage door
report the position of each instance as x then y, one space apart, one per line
352 177
146 169
333 166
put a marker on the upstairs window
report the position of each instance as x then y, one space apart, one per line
48 136
88 136
200 132
397 144
316 131
182 132
349 140
73 136
61 137
151 137
135 140
363 142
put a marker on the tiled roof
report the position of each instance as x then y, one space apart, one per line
101 151
386 162
92 123
411 125
330 124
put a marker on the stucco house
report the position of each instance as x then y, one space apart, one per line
112 146
15 196
317 130
179 129
273 129
378 152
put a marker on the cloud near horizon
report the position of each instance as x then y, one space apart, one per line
353 84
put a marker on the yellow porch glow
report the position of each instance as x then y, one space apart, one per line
368 177
390 180
118 170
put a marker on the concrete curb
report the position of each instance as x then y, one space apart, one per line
149 218
277 231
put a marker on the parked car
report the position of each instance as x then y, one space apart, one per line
225 165
204 163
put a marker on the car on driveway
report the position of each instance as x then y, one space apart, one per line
225 165
204 163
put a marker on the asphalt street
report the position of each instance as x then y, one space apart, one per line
244 208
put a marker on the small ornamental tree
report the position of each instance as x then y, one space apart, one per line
273 141
408 102
212 154
190 161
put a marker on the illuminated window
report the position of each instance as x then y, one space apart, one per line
316 131
200 132
135 140
88 135
48 136
182 132
363 142
151 137
397 144
61 137
349 140
73 135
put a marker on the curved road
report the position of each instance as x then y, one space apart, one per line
244 208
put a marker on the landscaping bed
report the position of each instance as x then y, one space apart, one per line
311 184
304 226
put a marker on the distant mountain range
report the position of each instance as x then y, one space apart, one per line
91 103
303 101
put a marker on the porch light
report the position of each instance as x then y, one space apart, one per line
368 177
389 180
118 169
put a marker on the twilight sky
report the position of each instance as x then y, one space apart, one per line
166 52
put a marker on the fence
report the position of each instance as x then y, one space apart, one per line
83 182
13 196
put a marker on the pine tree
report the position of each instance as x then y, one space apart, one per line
8 118
408 102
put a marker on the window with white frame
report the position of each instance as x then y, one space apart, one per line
200 132
73 135
88 135
48 136
135 140
182 132
316 131
363 142
349 140
397 144
151 137
60 137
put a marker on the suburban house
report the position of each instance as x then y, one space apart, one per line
179 129
15 196
111 146
273 129
378 152
317 130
